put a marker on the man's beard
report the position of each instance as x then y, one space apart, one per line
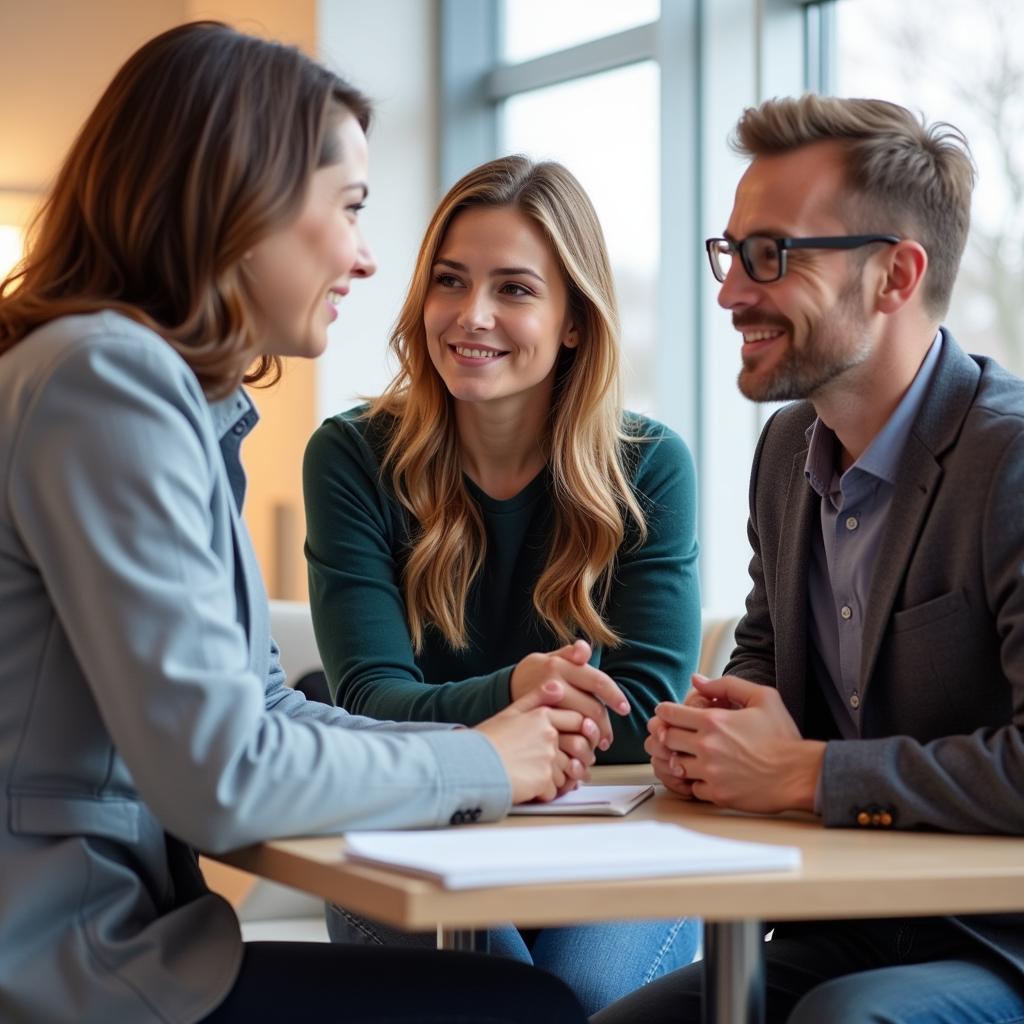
836 343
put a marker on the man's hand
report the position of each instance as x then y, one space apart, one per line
526 736
734 744
587 690
661 756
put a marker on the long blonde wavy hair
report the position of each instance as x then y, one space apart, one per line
584 440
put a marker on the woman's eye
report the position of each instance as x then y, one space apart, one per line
515 290
356 208
446 280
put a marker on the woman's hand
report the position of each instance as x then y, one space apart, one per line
526 735
588 691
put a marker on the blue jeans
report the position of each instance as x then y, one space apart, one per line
599 962
899 971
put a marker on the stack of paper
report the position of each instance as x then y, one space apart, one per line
469 858
614 800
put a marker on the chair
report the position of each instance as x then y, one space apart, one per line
292 627
717 642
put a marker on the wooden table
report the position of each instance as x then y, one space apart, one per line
845 873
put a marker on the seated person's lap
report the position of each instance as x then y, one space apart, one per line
910 971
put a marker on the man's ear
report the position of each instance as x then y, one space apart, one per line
902 275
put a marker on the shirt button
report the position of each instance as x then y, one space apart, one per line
239 429
854 701
852 522
846 612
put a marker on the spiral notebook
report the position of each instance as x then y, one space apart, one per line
587 800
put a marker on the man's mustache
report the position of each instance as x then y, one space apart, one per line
753 319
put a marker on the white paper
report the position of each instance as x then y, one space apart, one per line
469 858
591 800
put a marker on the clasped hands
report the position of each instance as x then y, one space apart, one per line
732 743
558 717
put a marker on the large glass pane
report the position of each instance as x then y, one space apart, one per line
533 27
962 63
613 150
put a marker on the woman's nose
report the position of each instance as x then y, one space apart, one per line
475 312
366 264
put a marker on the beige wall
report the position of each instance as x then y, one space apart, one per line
56 57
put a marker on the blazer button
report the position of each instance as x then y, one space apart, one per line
863 819
885 819
474 814
876 819
458 818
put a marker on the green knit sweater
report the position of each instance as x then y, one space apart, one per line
357 543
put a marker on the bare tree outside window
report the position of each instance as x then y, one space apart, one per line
962 63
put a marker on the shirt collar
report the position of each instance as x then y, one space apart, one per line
234 411
882 456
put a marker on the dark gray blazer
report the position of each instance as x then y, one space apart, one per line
942 675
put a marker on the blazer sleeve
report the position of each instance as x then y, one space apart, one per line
654 604
352 544
958 783
281 698
112 489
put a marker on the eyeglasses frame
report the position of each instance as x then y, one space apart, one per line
785 244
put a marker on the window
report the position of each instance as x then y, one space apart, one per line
962 63
531 28
624 192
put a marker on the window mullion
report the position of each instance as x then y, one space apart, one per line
605 54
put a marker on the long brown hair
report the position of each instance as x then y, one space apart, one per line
584 434
203 143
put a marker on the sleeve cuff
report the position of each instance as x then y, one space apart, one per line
474 785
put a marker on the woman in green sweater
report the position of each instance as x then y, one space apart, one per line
494 520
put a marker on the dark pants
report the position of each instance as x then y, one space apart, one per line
322 982
853 972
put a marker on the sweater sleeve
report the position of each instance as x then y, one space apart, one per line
353 538
655 599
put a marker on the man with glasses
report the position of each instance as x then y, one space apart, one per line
878 674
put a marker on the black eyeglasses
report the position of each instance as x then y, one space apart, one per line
764 258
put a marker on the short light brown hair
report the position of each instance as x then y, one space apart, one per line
204 143
907 177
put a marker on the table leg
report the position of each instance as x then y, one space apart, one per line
469 940
734 972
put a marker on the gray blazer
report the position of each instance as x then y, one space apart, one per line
942 677
142 705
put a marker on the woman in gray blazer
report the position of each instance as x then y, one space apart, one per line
204 224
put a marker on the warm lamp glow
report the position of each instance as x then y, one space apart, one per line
12 248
